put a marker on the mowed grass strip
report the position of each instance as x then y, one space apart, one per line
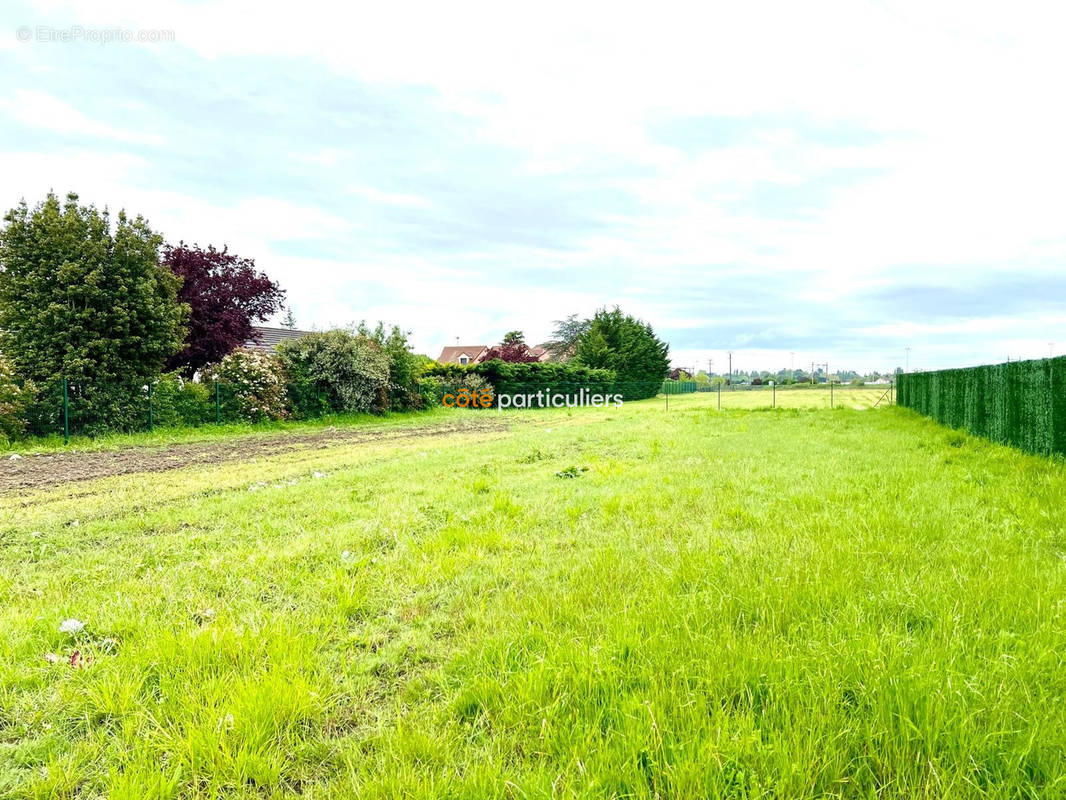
791 603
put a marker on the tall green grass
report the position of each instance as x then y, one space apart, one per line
772 604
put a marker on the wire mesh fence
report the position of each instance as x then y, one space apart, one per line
70 408
770 390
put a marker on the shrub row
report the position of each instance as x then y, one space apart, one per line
334 372
1022 403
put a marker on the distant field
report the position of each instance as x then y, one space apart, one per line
801 397
799 603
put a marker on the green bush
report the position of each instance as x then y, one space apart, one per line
335 372
404 366
15 402
431 389
252 386
177 401
1022 403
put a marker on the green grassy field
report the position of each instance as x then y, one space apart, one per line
790 603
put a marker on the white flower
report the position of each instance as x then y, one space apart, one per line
71 626
346 555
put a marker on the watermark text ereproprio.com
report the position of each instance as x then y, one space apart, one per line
51 34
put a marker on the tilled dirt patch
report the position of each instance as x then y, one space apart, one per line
52 469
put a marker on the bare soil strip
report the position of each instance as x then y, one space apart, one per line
53 469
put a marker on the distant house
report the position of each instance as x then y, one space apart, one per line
463 354
678 374
476 353
266 339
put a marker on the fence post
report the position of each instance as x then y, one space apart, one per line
773 394
66 414
218 406
830 394
719 397
151 425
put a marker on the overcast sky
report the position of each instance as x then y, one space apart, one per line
835 180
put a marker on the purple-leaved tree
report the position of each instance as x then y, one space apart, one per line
226 295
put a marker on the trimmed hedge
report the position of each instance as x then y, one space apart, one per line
1022 403
510 378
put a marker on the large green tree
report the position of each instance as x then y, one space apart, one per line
88 301
620 342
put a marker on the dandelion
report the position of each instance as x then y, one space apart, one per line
71 626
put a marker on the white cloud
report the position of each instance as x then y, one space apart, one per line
964 158
43 111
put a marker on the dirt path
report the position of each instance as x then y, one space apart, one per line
53 469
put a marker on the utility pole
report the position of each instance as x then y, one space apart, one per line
908 367
710 367
791 366
730 378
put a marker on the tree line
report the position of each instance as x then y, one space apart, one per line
105 315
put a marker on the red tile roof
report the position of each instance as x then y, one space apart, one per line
450 355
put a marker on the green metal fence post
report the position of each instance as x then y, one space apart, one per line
218 406
773 394
151 425
66 414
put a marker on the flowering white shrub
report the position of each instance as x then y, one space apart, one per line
252 385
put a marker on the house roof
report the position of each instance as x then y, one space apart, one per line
450 355
267 338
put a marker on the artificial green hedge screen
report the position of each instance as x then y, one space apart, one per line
1021 403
